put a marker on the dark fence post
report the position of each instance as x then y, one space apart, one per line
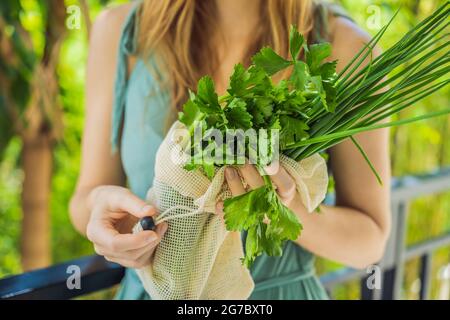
388 284
425 275
402 211
366 293
393 260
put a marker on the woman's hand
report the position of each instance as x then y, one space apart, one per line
114 212
283 182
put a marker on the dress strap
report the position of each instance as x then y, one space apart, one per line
127 46
322 12
320 31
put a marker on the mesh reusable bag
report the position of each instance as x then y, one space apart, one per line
198 258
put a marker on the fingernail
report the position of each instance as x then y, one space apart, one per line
230 173
146 208
272 168
219 207
152 238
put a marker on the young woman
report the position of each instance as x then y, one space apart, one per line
143 59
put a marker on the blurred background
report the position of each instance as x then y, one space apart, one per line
43 49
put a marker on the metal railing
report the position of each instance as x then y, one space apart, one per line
404 190
98 274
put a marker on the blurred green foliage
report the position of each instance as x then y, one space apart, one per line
415 148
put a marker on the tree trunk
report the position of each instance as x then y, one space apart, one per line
43 128
37 164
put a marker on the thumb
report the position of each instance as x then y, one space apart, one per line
132 204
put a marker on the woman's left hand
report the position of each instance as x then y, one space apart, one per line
283 182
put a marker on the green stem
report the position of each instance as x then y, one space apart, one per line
366 157
268 181
224 97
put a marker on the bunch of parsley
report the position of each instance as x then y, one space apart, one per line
253 100
313 109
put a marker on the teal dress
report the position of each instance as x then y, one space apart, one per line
139 113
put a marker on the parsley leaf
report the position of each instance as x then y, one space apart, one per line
190 113
328 70
237 115
249 212
300 75
261 109
316 54
246 210
270 61
296 42
206 98
239 81
292 130
285 221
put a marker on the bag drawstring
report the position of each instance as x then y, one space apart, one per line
162 217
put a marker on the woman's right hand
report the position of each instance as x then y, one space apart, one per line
114 212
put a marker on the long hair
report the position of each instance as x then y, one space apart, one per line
179 31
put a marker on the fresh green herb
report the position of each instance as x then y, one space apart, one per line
314 109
